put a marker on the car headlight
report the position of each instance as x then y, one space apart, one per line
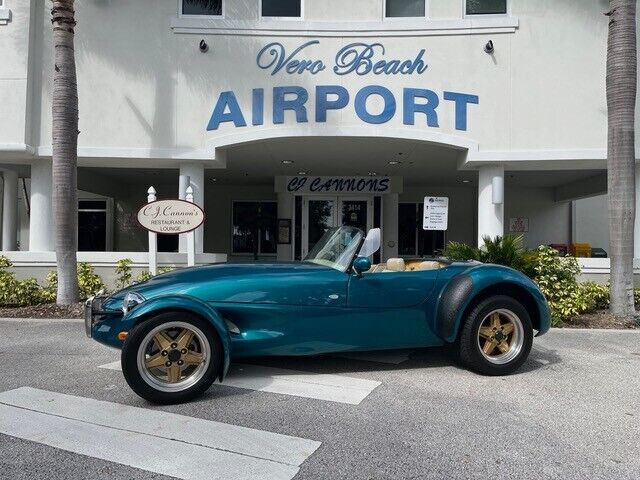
131 300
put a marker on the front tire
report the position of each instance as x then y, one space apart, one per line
496 337
171 358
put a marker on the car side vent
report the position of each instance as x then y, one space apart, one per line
232 327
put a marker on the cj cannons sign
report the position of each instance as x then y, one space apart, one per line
338 184
414 105
170 216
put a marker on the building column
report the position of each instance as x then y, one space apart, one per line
10 211
285 211
40 219
389 245
192 174
490 201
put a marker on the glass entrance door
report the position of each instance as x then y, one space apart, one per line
321 213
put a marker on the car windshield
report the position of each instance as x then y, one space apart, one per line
336 248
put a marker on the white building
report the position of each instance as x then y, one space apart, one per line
498 105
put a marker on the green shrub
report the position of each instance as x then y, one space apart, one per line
507 250
123 273
89 282
557 278
14 292
50 290
144 276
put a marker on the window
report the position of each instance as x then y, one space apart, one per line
92 225
486 7
404 8
255 227
281 8
413 241
202 7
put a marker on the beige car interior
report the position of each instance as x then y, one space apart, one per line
400 265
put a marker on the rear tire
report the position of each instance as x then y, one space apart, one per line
171 358
496 337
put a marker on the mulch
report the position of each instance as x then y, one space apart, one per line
47 310
601 319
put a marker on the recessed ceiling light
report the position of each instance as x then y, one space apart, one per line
302 173
372 174
394 162
287 162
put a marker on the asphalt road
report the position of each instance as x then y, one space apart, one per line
572 412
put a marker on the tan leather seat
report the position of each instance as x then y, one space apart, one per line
428 265
395 265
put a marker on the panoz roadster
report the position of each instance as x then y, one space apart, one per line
179 331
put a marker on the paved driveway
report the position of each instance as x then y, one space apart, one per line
573 411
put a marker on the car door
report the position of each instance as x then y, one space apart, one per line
388 308
391 289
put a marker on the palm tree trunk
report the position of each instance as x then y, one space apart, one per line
621 98
65 150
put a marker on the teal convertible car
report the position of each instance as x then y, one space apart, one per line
179 331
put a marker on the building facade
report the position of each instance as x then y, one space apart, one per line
289 116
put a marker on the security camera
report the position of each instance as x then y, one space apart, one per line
488 48
204 48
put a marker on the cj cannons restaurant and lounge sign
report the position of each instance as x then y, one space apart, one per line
416 106
170 216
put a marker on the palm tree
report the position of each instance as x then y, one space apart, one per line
621 98
65 150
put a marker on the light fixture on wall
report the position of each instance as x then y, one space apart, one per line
394 162
466 181
204 48
287 162
497 190
372 174
302 173
488 48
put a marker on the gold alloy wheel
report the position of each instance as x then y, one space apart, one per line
500 336
174 356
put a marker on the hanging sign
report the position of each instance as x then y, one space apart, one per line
436 213
170 217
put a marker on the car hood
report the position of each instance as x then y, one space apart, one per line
201 281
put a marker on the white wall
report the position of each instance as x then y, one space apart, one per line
591 221
549 221
149 87
15 42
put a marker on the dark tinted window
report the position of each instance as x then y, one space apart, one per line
202 7
412 239
92 205
92 231
405 8
281 8
407 228
486 7
254 227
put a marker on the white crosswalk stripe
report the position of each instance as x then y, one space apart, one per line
321 386
160 442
